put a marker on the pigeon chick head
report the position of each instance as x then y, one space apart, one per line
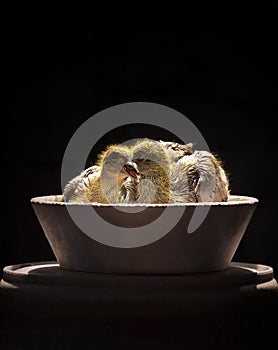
177 150
154 166
151 154
116 163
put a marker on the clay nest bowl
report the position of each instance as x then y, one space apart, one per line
144 238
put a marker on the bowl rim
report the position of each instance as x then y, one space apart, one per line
232 200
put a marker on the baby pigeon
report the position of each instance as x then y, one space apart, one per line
107 181
154 165
76 189
196 176
212 184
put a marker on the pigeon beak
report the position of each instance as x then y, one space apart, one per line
132 169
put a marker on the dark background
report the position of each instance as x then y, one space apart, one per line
62 65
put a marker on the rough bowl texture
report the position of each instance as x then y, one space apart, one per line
209 248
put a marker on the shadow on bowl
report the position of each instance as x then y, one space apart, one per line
145 238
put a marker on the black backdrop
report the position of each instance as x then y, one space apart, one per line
61 66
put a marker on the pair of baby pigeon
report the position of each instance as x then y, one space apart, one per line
150 172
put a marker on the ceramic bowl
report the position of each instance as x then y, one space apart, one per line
144 238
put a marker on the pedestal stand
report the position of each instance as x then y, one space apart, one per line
45 307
